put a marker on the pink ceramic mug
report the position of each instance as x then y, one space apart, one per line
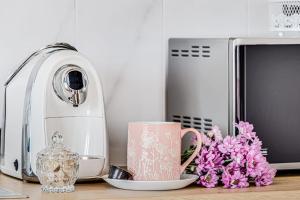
154 150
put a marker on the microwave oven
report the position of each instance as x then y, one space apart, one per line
220 81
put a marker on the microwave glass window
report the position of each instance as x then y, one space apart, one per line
270 94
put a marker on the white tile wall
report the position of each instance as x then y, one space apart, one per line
29 25
205 18
258 23
126 40
123 39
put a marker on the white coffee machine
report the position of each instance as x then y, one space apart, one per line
55 89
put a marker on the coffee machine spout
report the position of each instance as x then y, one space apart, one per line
76 98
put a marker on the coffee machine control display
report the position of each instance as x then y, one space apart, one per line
70 84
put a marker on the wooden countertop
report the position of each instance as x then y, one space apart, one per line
285 187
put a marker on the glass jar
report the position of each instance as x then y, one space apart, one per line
57 167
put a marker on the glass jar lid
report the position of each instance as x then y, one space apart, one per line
56 147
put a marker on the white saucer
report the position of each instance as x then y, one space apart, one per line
185 180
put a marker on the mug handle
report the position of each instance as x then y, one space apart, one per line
198 147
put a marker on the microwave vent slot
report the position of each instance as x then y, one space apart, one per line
207 124
194 51
174 52
201 124
205 51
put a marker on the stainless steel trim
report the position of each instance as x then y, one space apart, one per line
235 78
61 87
27 173
286 166
2 138
231 85
27 60
87 157
258 41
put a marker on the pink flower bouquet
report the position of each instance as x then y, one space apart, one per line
234 162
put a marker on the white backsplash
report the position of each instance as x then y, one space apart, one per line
29 25
126 40
123 39
258 21
205 18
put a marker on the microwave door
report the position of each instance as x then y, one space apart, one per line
268 95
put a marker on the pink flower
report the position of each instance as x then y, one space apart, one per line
209 180
266 177
256 144
234 160
245 130
256 163
232 178
244 127
205 140
208 159
230 146
217 133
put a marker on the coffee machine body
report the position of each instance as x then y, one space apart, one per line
55 89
